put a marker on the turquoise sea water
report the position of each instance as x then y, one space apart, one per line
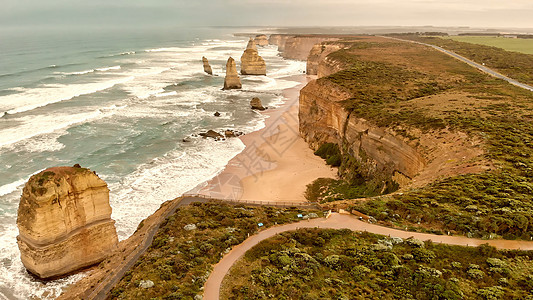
119 103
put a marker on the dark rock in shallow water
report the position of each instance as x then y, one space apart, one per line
229 133
211 134
217 114
233 133
256 104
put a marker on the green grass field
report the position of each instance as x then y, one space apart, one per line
509 44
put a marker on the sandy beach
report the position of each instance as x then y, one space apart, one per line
276 164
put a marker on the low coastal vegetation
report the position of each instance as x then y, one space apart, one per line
341 264
413 91
521 45
190 242
514 64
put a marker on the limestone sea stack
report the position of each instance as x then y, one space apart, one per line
64 221
251 62
207 67
251 44
261 40
232 80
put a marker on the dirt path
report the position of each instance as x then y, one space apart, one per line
340 221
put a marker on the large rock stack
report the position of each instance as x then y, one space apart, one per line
232 80
251 62
207 67
64 221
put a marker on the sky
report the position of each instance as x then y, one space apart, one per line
132 13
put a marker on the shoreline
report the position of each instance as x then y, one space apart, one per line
276 164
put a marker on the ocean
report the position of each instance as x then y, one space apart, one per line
120 102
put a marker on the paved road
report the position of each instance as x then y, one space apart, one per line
471 63
340 221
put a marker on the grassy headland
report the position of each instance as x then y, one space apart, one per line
417 91
513 64
509 44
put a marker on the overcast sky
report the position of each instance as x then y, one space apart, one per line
476 13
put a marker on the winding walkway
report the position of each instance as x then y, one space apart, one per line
340 221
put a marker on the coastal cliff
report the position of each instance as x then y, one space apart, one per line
64 220
261 40
297 46
454 140
350 78
323 119
317 62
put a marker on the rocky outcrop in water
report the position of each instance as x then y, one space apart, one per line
232 80
261 40
207 67
64 221
211 134
251 62
256 104
251 44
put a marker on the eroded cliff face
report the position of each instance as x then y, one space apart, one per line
316 60
261 40
383 152
64 221
297 46
279 40
324 120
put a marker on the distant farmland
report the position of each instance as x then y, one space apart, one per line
510 44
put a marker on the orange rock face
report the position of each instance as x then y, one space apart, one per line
64 221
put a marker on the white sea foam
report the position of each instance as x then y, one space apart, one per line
13 275
108 68
13 186
173 93
53 93
17 89
46 124
293 68
93 70
166 178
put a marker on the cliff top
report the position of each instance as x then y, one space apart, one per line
55 173
433 100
